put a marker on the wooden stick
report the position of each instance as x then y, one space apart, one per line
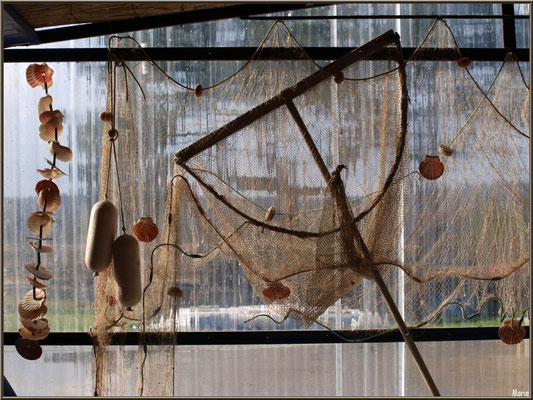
275 102
405 333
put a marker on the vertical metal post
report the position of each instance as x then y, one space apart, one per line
335 153
400 368
509 28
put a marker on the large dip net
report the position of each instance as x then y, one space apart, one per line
371 179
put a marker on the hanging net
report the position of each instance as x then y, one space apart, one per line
315 179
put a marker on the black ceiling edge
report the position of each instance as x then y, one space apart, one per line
22 27
273 337
158 21
240 54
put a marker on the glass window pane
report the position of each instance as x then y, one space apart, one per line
461 369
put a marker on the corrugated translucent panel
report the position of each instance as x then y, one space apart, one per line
221 297
464 369
522 25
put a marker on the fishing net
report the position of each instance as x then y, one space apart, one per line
310 177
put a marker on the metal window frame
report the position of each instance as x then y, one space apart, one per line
237 54
273 337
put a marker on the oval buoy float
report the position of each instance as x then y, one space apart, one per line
100 236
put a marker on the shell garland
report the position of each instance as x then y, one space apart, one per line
32 307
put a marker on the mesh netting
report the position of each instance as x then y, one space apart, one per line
310 179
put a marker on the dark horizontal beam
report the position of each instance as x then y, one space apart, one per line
383 16
159 21
274 337
238 54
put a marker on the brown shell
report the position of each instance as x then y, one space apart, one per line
51 197
445 150
42 248
35 283
35 325
50 173
41 273
29 349
38 219
105 116
30 303
464 62
270 214
32 314
145 229
52 165
45 184
174 291
34 335
431 168
44 104
46 116
512 334
63 153
34 75
37 74
198 90
47 131
339 77
276 291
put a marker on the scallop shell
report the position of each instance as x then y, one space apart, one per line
445 150
48 72
45 104
512 334
63 153
35 283
42 248
38 74
29 303
49 198
339 77
145 229
43 184
29 349
35 325
431 168
41 273
34 335
38 219
48 115
33 314
276 291
52 165
464 62
51 173
198 90
47 131
174 291
35 75
270 214
105 116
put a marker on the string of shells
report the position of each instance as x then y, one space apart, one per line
32 307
